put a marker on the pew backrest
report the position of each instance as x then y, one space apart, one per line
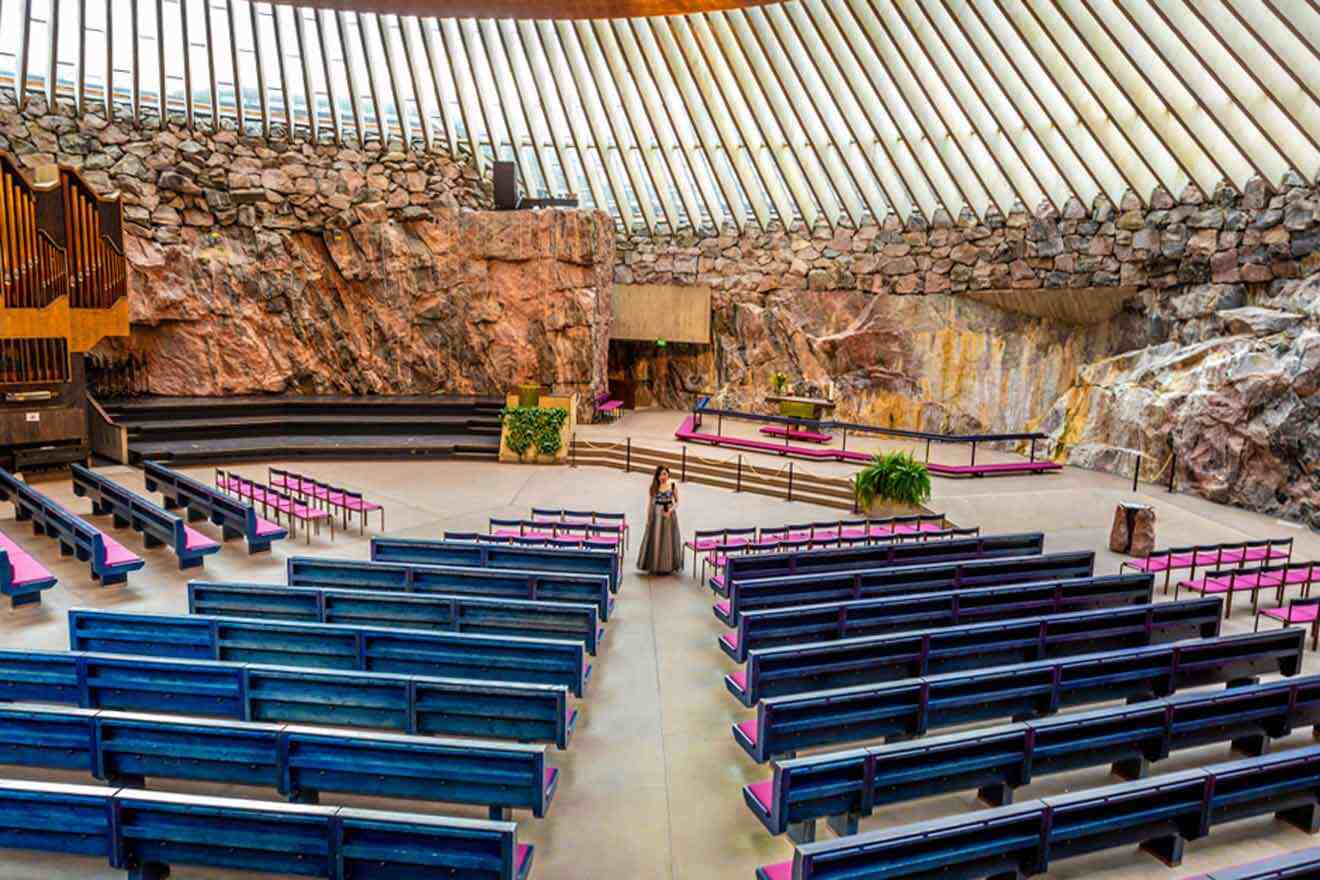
497 556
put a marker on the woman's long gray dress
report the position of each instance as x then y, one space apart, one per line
662 546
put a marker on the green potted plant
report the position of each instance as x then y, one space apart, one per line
892 484
529 394
778 381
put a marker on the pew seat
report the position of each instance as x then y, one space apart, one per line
22 578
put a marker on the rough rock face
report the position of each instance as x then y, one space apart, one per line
1239 410
468 302
935 362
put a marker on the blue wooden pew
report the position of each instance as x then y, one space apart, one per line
501 556
109 561
236 518
145 832
539 586
22 578
812 589
330 646
846 786
830 621
447 613
157 525
1160 815
252 692
912 707
752 565
126 749
799 669
1301 865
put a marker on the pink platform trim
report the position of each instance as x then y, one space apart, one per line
763 792
748 729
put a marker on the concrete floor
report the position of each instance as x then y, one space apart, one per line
651 784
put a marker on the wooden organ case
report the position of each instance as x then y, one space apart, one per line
63 287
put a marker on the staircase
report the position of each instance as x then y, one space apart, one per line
197 429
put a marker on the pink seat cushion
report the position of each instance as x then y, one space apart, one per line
116 553
25 568
506 533
730 639
1208 557
266 527
748 729
853 532
704 543
719 579
1155 563
780 871
1294 614
1297 575
739 679
1182 560
195 540
723 607
524 850
549 778
764 792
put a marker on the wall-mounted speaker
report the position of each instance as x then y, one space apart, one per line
506 187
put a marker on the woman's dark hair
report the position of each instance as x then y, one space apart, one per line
655 479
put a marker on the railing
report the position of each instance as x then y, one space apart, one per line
95 236
33 264
789 482
109 439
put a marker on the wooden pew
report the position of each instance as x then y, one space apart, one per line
540 586
125 749
829 621
800 669
145 832
912 580
236 518
253 692
462 614
157 525
498 556
329 646
847 786
1160 815
22 578
915 706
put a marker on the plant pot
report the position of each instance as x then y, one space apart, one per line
529 395
884 509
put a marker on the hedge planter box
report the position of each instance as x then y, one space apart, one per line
533 427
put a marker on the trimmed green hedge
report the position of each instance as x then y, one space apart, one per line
530 426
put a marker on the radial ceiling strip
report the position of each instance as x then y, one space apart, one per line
212 84
401 115
651 109
524 87
312 103
434 67
701 143
239 110
508 104
806 202
1102 137
816 56
863 191
330 90
789 106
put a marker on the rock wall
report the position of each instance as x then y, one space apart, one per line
1235 414
269 266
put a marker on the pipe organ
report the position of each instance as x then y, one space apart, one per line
63 288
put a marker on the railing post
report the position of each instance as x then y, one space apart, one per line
1033 448
928 452
627 458
719 424
1136 472
973 452
1173 467
790 481
844 447
684 477
572 449
738 487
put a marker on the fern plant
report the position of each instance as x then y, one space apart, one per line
893 477
530 426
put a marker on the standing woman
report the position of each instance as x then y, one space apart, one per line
662 547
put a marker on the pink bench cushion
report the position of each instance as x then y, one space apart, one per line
730 639
780 871
739 679
723 607
748 729
609 405
524 850
116 553
25 568
195 540
764 793
266 527
1291 614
